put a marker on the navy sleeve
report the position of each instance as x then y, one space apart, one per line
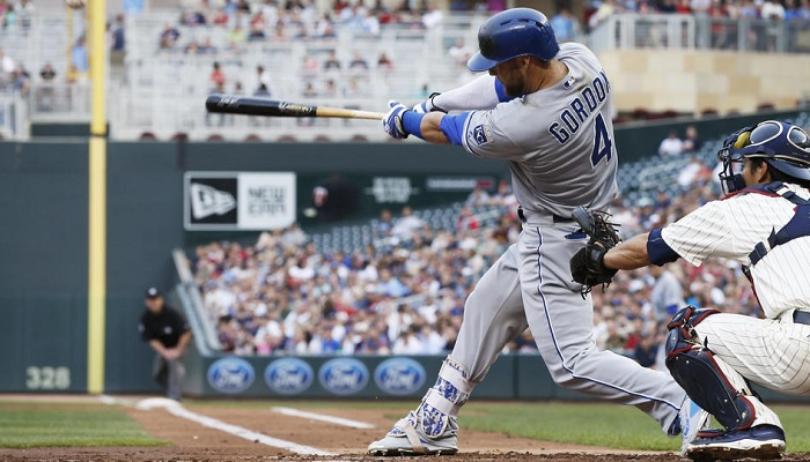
659 252
453 126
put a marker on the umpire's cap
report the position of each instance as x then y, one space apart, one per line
512 33
153 293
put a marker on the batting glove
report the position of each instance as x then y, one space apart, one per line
392 122
427 105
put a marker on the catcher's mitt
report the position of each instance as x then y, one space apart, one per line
587 267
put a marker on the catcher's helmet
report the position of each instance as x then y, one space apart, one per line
512 33
785 147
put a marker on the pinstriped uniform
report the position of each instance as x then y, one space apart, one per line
773 352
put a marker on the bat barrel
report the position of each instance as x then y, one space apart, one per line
226 104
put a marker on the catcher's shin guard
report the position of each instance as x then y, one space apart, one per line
708 380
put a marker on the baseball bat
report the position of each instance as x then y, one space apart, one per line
230 104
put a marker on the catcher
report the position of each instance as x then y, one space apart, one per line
764 224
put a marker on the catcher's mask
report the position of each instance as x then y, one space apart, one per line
785 148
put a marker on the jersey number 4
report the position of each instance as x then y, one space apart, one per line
602 145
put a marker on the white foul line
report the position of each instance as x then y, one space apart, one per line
176 409
323 418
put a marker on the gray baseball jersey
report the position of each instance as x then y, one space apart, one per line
558 140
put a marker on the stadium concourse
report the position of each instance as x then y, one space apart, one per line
398 285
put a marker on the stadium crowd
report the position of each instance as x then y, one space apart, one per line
405 294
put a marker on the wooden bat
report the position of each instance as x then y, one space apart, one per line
228 104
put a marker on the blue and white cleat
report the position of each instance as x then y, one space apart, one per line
763 442
692 420
410 437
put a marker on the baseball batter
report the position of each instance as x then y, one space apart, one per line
546 109
765 226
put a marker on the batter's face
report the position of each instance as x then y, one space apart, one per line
512 75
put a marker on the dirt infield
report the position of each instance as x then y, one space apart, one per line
190 441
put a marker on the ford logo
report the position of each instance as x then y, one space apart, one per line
343 376
400 376
230 375
288 376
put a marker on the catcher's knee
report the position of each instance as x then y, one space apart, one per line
700 374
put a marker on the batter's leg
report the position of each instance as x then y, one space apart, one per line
562 323
493 316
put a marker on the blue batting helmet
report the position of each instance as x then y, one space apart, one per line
512 33
785 148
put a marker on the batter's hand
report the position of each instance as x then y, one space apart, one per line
392 122
427 105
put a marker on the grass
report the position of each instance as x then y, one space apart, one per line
27 425
608 425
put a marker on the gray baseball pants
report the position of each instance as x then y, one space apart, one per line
530 286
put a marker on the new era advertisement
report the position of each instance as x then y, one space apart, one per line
224 201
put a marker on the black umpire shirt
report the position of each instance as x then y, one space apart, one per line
165 327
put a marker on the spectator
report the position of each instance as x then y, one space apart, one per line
169 335
217 78
7 65
692 142
667 294
408 225
118 37
384 62
331 62
358 62
646 351
459 53
79 58
47 73
262 82
671 145
433 17
169 37
564 25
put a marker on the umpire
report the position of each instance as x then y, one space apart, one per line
168 334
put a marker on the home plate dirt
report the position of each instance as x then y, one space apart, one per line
190 441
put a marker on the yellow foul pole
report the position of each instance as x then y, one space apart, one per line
97 226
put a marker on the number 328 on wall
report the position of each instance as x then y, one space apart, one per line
47 378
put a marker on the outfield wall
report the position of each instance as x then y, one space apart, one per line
43 234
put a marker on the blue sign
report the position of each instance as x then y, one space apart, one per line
400 376
289 376
343 376
230 375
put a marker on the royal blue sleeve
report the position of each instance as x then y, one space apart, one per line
453 127
501 92
658 250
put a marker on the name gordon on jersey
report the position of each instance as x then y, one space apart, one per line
590 98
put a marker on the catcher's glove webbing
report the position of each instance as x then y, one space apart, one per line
587 267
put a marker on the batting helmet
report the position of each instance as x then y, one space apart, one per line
512 33
785 148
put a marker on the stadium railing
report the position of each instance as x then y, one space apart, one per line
678 31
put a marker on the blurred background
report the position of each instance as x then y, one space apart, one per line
320 238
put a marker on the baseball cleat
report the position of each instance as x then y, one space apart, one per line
407 439
763 442
691 420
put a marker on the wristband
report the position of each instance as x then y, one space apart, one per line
412 123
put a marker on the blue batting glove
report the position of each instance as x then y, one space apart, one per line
392 122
